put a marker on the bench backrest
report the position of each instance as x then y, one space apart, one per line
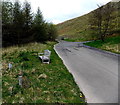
47 52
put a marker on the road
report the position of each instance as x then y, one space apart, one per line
96 73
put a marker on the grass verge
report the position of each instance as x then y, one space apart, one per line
110 44
42 83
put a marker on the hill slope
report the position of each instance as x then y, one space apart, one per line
78 28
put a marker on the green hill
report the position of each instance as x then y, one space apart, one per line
78 29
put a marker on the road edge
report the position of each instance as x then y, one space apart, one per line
99 50
69 71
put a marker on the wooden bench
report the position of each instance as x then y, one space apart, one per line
45 57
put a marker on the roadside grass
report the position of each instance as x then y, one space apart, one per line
110 44
43 83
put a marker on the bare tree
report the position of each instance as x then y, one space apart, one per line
107 17
101 20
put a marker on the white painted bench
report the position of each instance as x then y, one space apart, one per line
45 57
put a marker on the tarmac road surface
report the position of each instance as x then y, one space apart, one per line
96 73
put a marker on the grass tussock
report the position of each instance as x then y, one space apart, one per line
42 83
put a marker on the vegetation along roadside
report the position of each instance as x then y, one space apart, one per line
43 83
110 44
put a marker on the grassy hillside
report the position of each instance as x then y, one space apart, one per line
74 28
78 29
42 83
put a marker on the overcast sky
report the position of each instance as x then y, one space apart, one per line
57 11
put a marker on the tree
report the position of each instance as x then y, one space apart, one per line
19 26
7 19
52 31
18 22
28 19
107 18
7 8
100 21
39 27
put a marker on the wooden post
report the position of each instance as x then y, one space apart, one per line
9 66
20 78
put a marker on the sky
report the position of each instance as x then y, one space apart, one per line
57 11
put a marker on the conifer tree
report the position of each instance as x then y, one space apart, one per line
7 19
52 32
28 19
18 22
40 33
